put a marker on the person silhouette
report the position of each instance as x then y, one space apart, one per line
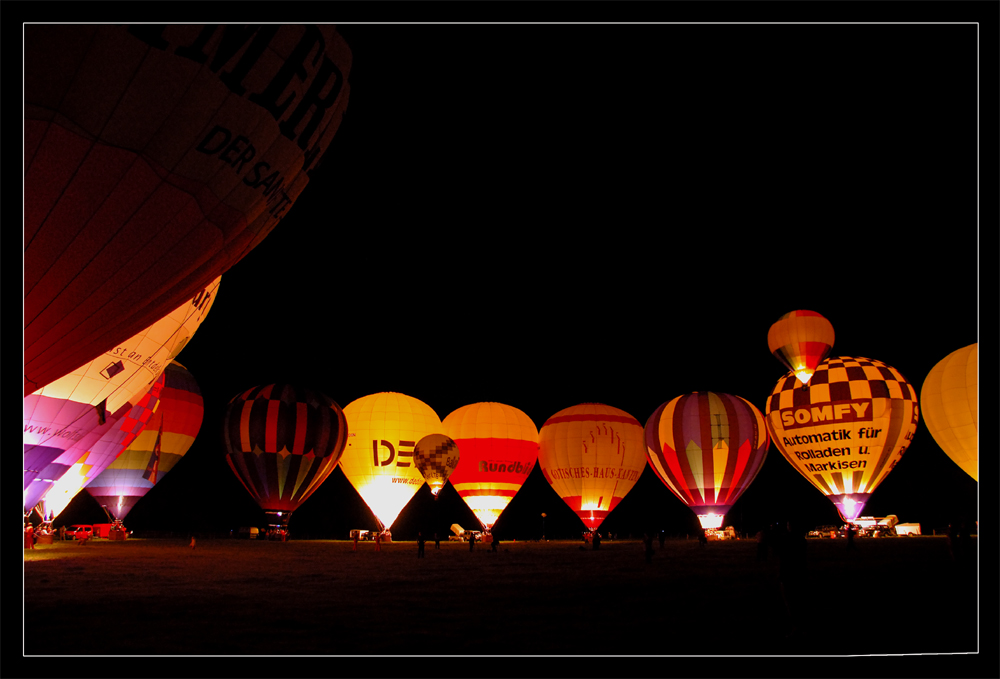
420 545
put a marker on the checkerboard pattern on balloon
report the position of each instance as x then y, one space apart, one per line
841 379
434 459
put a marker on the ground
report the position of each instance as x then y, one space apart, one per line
241 597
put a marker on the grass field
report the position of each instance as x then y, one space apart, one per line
239 597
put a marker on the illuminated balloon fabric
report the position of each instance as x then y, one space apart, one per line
282 442
499 445
378 461
592 455
128 369
846 429
155 158
801 340
165 439
88 463
950 405
63 412
707 447
435 456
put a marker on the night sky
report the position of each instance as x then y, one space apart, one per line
549 215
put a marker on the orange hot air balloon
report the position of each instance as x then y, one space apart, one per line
155 158
282 442
499 445
707 448
592 455
801 340
846 429
949 400
378 461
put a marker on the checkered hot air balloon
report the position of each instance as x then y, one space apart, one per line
801 340
707 447
846 429
165 440
435 456
282 442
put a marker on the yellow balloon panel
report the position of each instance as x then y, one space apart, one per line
127 370
383 430
846 429
949 400
592 455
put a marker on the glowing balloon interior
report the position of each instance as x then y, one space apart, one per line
707 448
282 442
949 399
801 340
592 455
435 456
499 445
846 429
378 461
163 442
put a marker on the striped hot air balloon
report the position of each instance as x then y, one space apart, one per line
707 447
165 440
801 340
88 461
282 442
592 455
845 430
499 445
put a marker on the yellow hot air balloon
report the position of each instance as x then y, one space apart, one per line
592 455
950 403
801 340
499 445
845 430
383 430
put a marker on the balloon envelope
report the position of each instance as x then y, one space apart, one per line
86 463
592 455
378 461
282 442
801 340
165 439
435 456
499 445
155 158
846 429
949 401
707 448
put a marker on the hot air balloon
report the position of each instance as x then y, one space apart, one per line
69 411
950 403
846 429
86 463
435 456
282 442
592 455
707 447
499 445
163 442
378 461
801 340
156 156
